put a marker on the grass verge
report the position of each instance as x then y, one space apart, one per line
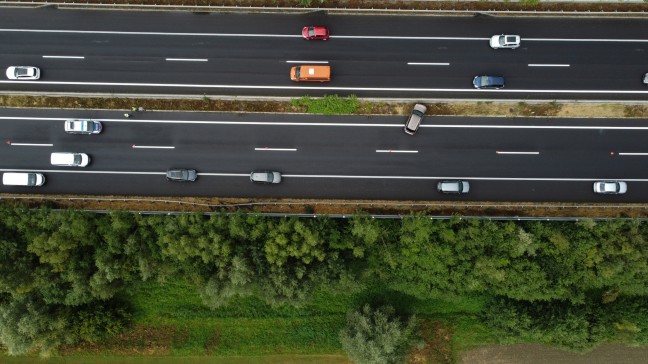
169 320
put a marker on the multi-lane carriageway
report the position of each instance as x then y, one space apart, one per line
385 56
353 157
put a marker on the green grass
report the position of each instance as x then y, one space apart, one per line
249 327
328 105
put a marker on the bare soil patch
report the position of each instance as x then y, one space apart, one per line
437 347
539 354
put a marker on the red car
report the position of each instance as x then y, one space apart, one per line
315 33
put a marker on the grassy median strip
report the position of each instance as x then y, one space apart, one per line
334 104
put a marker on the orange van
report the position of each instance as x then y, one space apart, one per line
310 73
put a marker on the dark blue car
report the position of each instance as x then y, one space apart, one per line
494 82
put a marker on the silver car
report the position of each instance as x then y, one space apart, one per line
414 121
181 175
610 187
23 73
505 41
267 177
76 126
453 187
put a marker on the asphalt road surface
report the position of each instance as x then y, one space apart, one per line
383 56
353 157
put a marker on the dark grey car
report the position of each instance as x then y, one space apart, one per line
181 175
493 82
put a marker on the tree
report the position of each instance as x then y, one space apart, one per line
377 336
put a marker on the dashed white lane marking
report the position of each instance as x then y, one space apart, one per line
327 88
65 57
276 149
152 147
547 65
427 64
395 151
307 62
633 154
29 144
522 153
187 59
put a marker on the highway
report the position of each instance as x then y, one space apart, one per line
352 157
378 56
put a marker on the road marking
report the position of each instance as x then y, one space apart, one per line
29 144
547 65
65 57
287 123
427 64
395 151
325 62
276 149
187 59
152 147
633 154
15 30
327 88
332 176
531 153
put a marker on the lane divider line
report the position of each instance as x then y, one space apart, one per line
524 153
276 149
547 65
152 147
65 57
395 151
29 144
427 64
187 59
633 154
306 62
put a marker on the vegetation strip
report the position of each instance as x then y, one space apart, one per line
122 284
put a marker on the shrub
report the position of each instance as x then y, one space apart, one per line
377 336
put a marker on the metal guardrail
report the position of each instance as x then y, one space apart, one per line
347 216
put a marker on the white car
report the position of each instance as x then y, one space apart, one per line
23 73
610 187
75 126
645 79
505 41
453 187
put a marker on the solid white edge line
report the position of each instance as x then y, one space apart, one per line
449 126
187 59
326 88
427 64
65 57
327 176
547 65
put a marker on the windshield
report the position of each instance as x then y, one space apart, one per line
311 31
297 72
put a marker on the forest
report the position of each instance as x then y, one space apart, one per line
573 285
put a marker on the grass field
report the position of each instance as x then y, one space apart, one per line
170 321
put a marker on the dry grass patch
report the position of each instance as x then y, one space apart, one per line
437 347
139 340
